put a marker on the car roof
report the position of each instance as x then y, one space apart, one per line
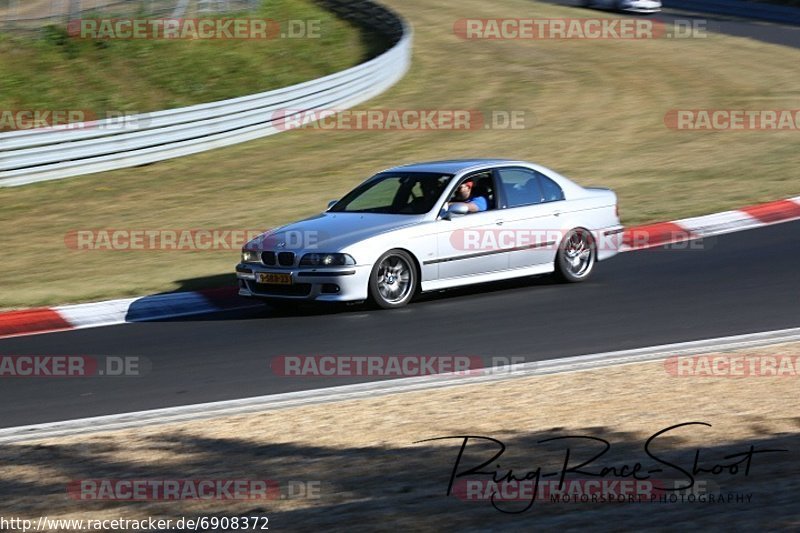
452 166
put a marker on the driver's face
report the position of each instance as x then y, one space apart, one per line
463 191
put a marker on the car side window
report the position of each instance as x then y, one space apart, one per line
483 188
551 191
521 186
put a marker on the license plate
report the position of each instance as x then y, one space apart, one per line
274 278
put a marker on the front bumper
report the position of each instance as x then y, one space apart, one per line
334 284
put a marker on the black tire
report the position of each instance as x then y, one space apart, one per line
400 267
567 267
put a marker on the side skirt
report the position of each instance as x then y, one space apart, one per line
498 275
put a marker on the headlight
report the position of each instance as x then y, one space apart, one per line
249 256
327 260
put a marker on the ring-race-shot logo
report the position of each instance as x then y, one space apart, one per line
513 484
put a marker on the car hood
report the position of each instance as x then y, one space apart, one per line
330 232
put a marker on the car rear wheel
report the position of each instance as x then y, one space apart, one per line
576 256
393 281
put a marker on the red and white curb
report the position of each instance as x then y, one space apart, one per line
111 312
687 229
171 305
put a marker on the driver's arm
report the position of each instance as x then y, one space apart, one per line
479 203
471 206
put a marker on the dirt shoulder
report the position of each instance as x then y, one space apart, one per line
361 461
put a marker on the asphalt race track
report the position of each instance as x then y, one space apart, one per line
737 283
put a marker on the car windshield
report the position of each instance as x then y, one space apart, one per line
397 193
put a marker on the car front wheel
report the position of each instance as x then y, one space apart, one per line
393 281
576 256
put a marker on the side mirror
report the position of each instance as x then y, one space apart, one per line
455 209
332 203
458 209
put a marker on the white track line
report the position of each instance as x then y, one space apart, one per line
369 390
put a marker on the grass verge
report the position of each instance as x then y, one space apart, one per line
372 476
54 71
599 110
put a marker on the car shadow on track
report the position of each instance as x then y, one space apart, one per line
234 307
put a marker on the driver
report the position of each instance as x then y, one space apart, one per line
463 195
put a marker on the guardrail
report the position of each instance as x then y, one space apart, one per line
740 8
61 152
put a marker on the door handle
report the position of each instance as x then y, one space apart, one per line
556 213
499 221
